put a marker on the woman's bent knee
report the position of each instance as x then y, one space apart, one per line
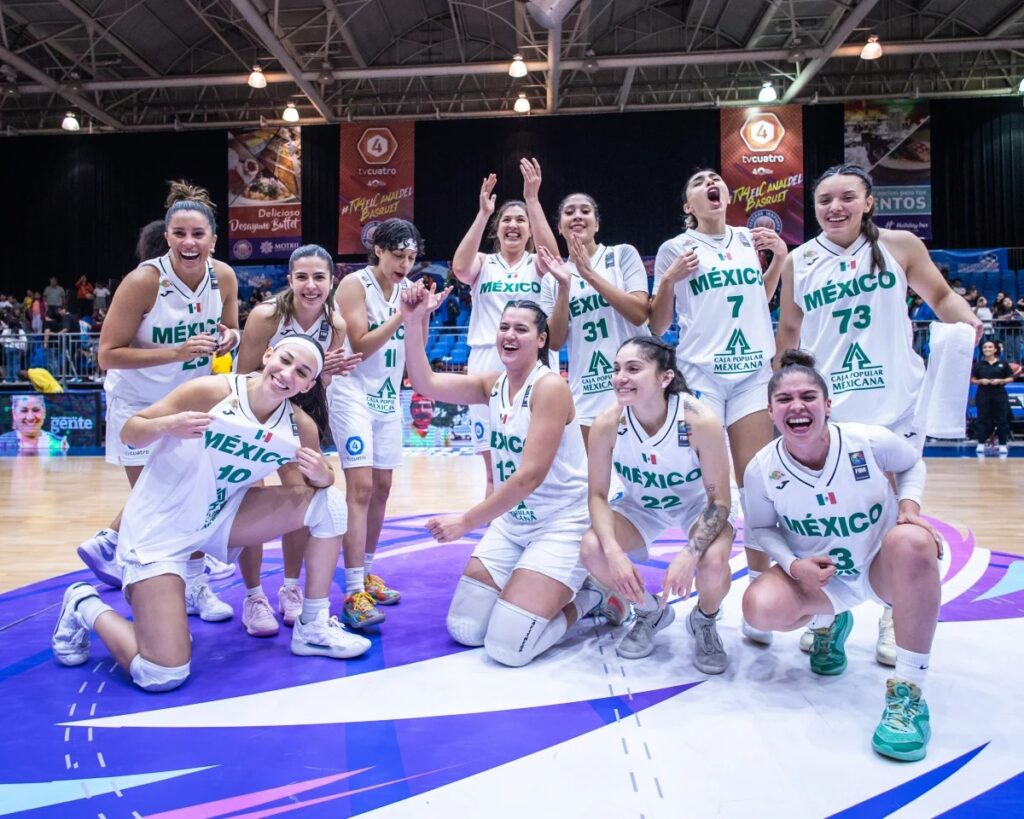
153 677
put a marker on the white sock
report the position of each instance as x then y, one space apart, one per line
194 569
290 581
911 666
110 535
89 609
312 606
255 591
819 621
368 561
650 602
585 601
752 575
354 580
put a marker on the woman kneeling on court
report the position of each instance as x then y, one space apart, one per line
668 450
820 502
521 590
213 438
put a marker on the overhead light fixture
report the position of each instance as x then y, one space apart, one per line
291 113
522 105
326 75
70 122
767 92
872 49
256 78
590 64
517 68
1020 88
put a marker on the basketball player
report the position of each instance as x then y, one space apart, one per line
366 418
306 309
712 276
211 439
168 319
844 300
669 452
509 272
521 590
597 300
822 505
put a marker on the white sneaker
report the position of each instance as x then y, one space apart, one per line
806 641
218 570
200 599
99 554
326 637
755 635
70 639
885 648
289 603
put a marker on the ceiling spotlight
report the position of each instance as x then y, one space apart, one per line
291 113
590 64
522 105
256 78
1020 88
10 90
326 75
517 68
70 122
872 50
767 92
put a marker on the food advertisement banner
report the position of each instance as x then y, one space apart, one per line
377 180
264 193
892 141
763 165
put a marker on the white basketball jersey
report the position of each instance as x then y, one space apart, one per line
186 482
658 471
596 329
178 314
845 512
564 489
856 324
725 328
321 330
377 379
496 285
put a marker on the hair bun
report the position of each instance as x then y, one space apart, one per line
181 191
800 358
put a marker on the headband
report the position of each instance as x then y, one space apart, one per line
408 244
309 344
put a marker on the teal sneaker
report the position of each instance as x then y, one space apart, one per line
828 656
905 728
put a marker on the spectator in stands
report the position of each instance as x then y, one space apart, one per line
971 296
991 374
84 295
54 295
1020 306
958 287
36 313
26 302
15 344
983 312
101 297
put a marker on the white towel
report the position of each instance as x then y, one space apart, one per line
942 403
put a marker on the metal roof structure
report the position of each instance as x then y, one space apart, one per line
142 65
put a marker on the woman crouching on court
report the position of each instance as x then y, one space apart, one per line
213 438
523 588
822 505
669 452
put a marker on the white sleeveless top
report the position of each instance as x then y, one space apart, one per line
857 326
596 329
843 513
496 285
563 492
178 314
725 328
321 330
658 471
186 482
376 380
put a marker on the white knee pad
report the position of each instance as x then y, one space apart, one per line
515 636
152 677
470 611
327 515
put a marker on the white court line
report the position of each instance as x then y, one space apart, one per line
967 576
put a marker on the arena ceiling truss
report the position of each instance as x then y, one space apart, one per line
145 65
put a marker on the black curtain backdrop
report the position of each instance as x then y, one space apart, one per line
74 204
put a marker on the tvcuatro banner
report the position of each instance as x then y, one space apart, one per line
377 180
763 165
264 193
892 140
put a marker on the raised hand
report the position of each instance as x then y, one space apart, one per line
338 362
530 169
487 195
765 238
203 344
683 265
581 258
552 264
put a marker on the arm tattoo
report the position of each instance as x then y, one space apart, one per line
709 526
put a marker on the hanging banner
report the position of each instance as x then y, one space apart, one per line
377 180
892 141
264 193
763 165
